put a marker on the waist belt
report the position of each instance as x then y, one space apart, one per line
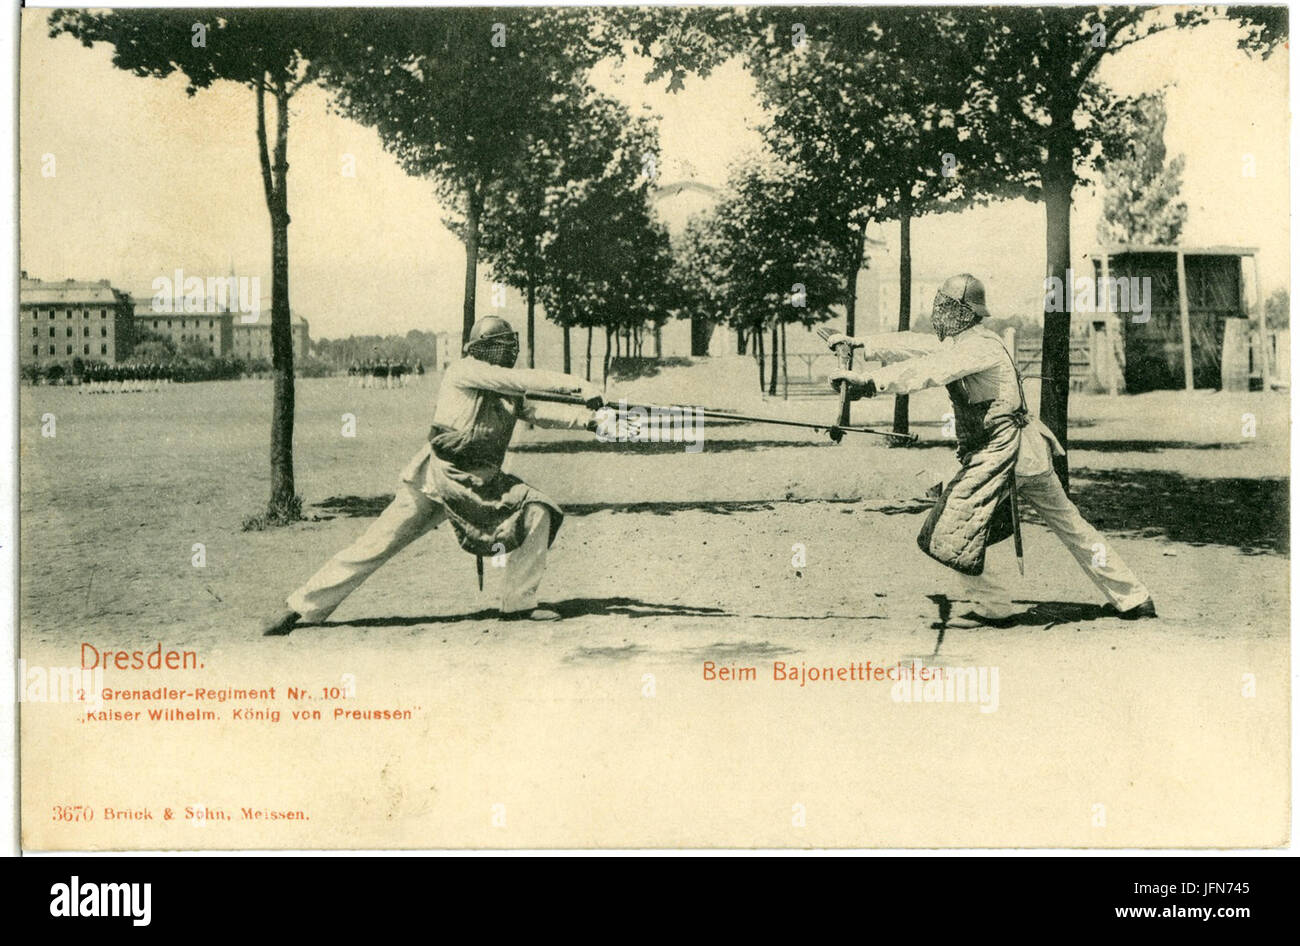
461 449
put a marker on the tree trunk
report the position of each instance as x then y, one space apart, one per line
741 347
701 330
1058 184
904 304
608 332
282 403
762 361
851 282
588 352
785 363
776 349
568 366
473 210
532 341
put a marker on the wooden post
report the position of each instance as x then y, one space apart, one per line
785 365
1265 353
1113 337
1185 321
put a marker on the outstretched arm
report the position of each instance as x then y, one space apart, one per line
947 364
944 366
898 346
891 346
512 382
549 414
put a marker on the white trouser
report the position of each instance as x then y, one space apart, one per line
1095 555
410 515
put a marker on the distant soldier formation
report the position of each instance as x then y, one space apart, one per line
384 373
127 378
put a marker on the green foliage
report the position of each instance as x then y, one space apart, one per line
151 346
1277 309
874 108
760 256
572 220
195 350
1141 204
415 345
449 103
608 262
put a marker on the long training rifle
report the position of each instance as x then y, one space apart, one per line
844 352
836 431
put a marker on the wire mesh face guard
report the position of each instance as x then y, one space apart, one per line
500 350
949 316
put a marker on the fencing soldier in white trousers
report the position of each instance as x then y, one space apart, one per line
457 477
1004 450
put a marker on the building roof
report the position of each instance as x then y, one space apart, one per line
1121 249
68 292
145 310
295 321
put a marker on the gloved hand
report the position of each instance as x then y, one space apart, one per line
609 425
840 338
860 385
593 399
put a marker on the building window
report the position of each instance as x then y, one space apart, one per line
69 331
103 331
35 330
212 338
36 350
69 349
51 332
169 323
210 323
103 349
155 323
85 331
103 313
69 313
51 349
85 349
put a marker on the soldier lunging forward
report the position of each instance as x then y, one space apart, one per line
457 476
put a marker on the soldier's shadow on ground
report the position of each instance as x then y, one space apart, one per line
666 446
1252 515
568 608
367 507
1042 614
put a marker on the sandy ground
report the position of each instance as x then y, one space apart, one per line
602 729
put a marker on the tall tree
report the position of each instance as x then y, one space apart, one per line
609 265
1141 183
271 52
576 139
869 102
1038 67
761 256
456 94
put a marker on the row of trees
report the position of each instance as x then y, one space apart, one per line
490 104
889 114
879 114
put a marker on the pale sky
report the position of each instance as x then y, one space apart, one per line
148 180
